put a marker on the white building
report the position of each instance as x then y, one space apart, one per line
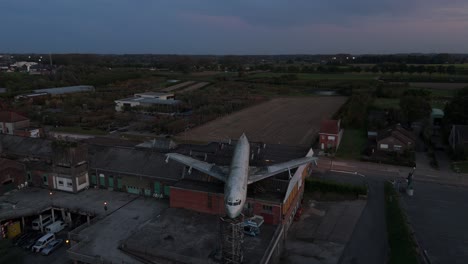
149 99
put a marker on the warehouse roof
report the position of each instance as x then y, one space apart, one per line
25 146
132 161
145 100
67 89
11 117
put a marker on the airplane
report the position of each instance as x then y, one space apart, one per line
239 174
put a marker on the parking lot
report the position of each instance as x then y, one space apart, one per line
59 256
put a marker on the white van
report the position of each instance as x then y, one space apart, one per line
43 242
55 227
46 220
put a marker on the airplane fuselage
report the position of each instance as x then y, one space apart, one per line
235 188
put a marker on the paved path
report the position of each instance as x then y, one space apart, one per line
368 243
424 173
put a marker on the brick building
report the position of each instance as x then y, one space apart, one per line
330 134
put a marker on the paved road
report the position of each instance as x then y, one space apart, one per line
439 216
57 257
368 243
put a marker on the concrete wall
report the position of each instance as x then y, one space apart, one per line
63 183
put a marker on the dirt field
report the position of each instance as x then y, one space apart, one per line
293 121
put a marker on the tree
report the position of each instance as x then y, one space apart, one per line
414 108
456 111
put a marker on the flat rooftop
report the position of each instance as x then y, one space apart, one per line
67 89
183 236
146 100
32 201
154 94
103 238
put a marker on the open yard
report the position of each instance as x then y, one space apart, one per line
291 121
352 144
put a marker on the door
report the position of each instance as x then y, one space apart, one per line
119 183
111 182
147 192
93 179
102 180
167 190
157 188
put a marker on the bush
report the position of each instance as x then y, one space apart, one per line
314 185
400 240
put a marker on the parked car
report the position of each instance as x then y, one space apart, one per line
29 243
52 246
46 220
43 242
55 227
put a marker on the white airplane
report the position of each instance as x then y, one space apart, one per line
237 176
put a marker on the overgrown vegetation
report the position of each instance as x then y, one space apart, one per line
400 240
352 144
9 253
323 186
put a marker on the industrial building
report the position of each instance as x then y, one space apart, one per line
66 90
162 102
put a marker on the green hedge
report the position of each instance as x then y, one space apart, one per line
315 185
400 240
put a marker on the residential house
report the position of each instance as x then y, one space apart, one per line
11 121
458 138
395 139
330 134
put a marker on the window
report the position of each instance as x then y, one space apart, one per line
44 179
69 184
384 146
331 137
267 208
82 179
60 183
29 176
397 147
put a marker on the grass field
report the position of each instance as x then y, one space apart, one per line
293 121
313 76
441 86
80 130
386 103
352 144
461 167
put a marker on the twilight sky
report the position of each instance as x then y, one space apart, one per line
233 27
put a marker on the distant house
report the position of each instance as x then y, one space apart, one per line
330 134
458 138
436 119
165 102
11 121
395 139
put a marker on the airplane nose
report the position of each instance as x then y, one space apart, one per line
232 211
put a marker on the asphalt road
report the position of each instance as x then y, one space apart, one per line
368 243
439 216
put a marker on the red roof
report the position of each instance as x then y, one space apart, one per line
11 117
330 127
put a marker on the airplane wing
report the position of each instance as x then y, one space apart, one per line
217 172
257 174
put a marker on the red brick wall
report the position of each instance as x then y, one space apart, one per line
197 201
324 139
272 217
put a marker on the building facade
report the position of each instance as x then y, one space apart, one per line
330 134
